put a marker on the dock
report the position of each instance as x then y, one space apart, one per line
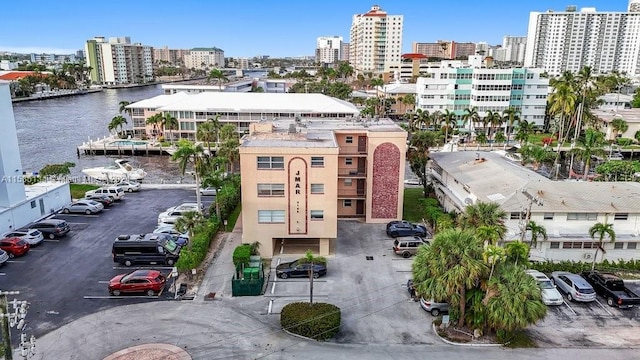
112 145
55 94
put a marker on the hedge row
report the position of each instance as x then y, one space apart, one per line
579 266
318 321
192 256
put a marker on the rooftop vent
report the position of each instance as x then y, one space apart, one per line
292 128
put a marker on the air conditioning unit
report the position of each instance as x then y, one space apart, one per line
587 255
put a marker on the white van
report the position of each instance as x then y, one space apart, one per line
114 192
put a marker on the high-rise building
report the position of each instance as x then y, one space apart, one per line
445 49
568 40
634 6
514 48
171 56
201 58
375 41
118 61
328 49
344 52
456 87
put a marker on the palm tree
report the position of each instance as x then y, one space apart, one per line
117 122
123 107
230 144
189 222
517 251
421 119
408 100
513 301
601 230
536 230
535 155
418 155
488 214
450 266
190 154
214 176
448 119
471 115
170 122
525 128
218 75
155 120
512 117
619 126
311 259
563 103
500 138
492 255
591 146
489 234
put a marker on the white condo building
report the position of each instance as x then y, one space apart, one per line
456 87
514 48
376 41
568 40
117 61
201 58
328 49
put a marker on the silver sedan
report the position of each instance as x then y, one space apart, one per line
83 206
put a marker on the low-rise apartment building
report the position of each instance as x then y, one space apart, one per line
300 177
566 209
456 88
236 108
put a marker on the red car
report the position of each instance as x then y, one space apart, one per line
14 246
149 282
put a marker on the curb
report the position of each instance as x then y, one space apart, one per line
168 186
433 327
299 336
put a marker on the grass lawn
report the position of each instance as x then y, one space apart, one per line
78 190
413 210
536 139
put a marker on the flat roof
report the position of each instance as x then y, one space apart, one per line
316 139
249 103
493 178
628 115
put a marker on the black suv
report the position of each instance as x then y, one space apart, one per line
51 228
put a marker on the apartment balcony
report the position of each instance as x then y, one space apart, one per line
351 194
352 172
354 150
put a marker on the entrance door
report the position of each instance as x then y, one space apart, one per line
41 206
362 162
361 190
362 144
359 207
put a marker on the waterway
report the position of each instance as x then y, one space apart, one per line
50 130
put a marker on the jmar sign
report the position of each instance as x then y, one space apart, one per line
297 196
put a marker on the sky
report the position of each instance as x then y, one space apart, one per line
260 27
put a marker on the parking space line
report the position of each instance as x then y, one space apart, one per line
404 271
103 282
143 268
119 297
15 261
297 296
401 259
569 306
604 308
51 240
2 274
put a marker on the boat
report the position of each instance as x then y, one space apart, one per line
121 170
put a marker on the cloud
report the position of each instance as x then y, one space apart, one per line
37 50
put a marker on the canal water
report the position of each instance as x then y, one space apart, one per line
50 130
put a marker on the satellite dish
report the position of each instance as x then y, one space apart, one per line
468 201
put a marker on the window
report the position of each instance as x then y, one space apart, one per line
515 216
548 216
347 182
631 245
270 189
33 204
348 161
621 216
618 245
554 245
346 203
317 188
271 216
317 161
349 140
582 216
270 162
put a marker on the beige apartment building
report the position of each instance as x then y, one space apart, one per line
300 177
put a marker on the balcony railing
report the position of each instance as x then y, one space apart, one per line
352 172
352 150
351 194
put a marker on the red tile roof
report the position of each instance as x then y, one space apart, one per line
17 75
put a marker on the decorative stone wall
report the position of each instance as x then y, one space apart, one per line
386 172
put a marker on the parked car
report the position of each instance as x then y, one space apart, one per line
405 228
173 213
550 295
14 246
430 306
574 285
149 282
33 236
129 186
52 228
4 257
208 191
408 246
300 268
83 206
180 238
413 181
611 288
115 192
103 199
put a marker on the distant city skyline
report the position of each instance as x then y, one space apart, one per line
276 28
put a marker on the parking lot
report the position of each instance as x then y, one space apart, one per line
64 279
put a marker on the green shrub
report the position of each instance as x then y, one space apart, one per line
578 266
241 254
316 259
624 141
319 321
193 255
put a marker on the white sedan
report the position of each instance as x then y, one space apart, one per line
32 236
129 186
208 191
